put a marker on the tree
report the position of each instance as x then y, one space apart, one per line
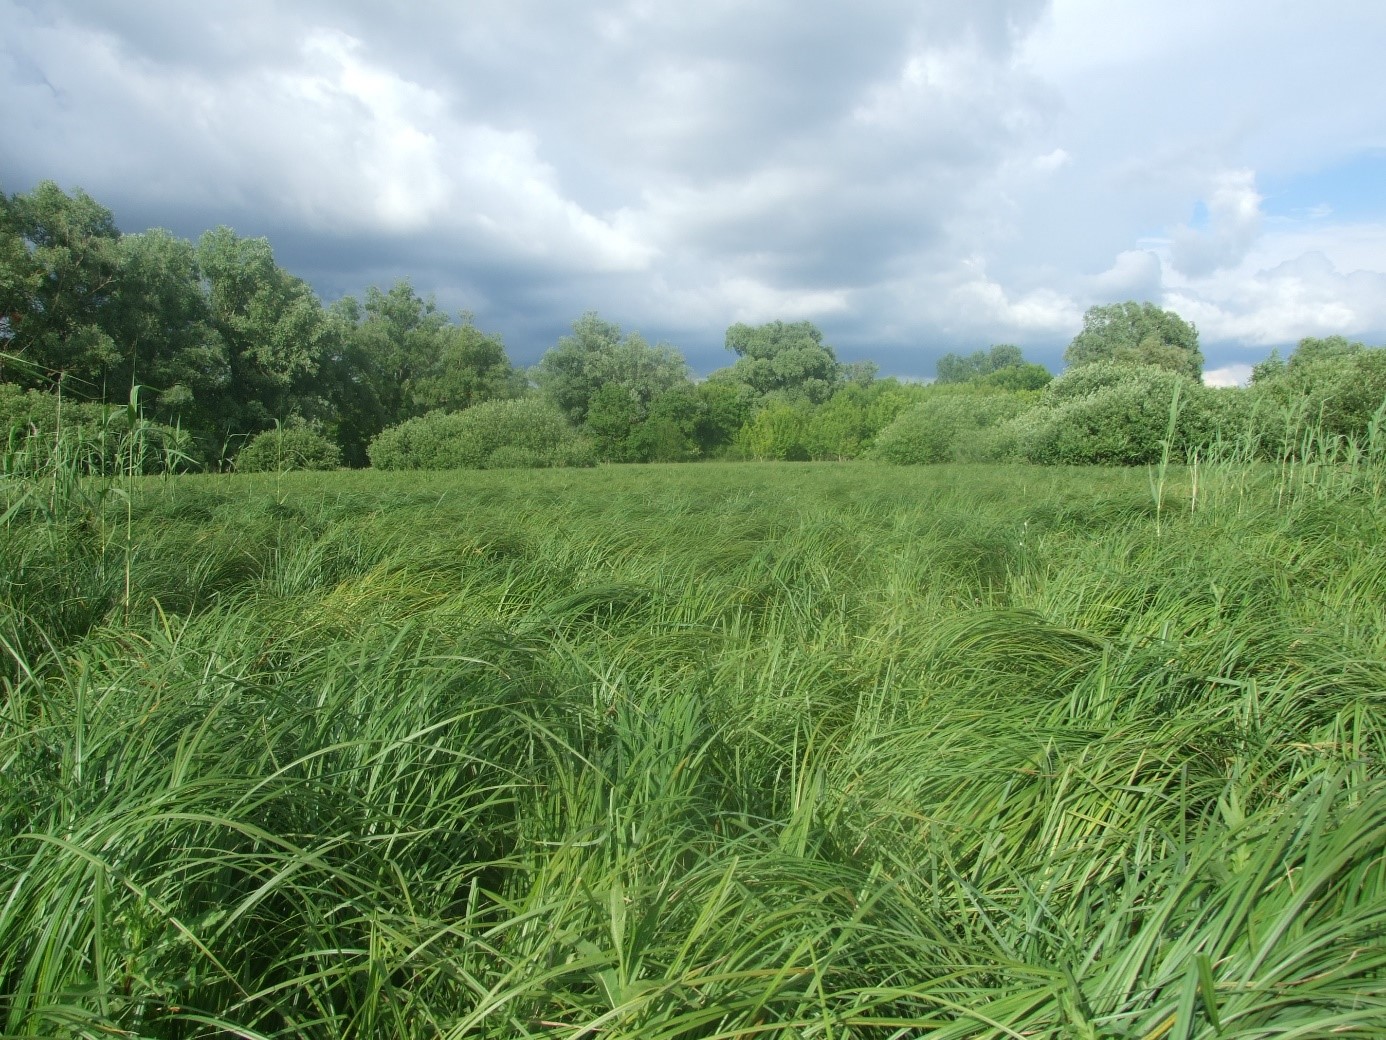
1026 376
469 368
791 359
59 272
950 424
779 430
613 415
844 426
399 357
670 430
1329 388
163 323
725 406
598 354
1137 333
1116 413
954 368
495 435
274 328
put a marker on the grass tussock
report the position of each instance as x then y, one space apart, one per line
718 751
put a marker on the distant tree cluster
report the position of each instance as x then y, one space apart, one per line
223 341
236 362
1132 394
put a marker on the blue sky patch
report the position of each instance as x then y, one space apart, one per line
1351 190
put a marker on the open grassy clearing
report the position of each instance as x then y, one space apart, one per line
707 751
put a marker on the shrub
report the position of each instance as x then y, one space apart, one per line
528 432
950 425
778 431
40 429
1109 413
1318 396
286 448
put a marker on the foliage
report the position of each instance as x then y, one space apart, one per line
598 355
1117 413
779 431
955 368
274 328
60 259
670 432
293 447
89 438
786 358
1137 334
528 432
725 406
950 423
1330 388
1024 376
846 426
162 318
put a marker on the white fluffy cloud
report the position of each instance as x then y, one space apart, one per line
1233 224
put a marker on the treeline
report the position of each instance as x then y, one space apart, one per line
233 361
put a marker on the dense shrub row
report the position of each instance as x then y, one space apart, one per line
1117 413
528 432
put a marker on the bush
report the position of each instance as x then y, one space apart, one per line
950 425
38 429
778 431
1319 397
1109 413
527 433
286 448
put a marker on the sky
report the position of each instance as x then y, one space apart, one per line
916 178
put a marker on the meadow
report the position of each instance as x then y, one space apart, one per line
715 751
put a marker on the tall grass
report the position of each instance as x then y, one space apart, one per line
712 751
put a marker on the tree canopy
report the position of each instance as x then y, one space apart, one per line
598 354
1137 333
789 358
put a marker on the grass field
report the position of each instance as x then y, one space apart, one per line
702 751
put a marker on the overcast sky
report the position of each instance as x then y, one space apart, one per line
915 177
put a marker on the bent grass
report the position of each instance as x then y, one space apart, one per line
707 751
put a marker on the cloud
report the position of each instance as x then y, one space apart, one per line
1135 274
917 175
1234 222
1228 375
1306 296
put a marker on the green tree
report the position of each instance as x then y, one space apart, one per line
470 367
955 368
527 432
293 447
162 320
1117 413
725 406
1139 334
1016 377
950 423
1329 388
670 430
791 359
613 415
274 328
779 430
59 273
598 354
